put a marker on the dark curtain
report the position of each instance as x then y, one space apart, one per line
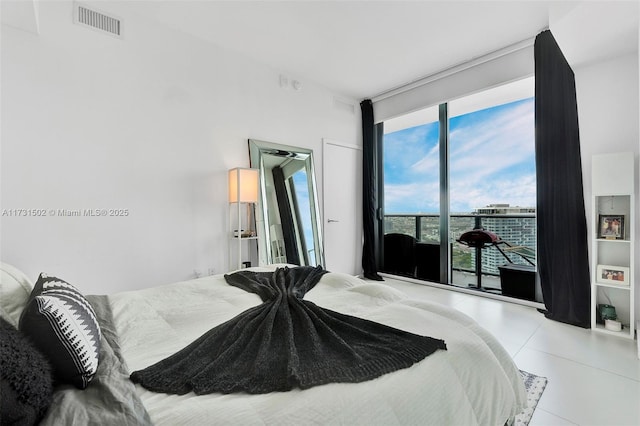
563 262
370 203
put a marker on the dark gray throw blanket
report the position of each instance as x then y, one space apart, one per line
285 342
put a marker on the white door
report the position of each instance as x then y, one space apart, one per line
342 206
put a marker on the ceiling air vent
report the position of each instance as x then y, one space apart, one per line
98 21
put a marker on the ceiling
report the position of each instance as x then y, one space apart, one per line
360 49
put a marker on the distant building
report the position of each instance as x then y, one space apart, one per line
503 209
518 231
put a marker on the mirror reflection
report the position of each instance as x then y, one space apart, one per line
288 220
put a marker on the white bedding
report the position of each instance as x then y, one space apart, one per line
473 382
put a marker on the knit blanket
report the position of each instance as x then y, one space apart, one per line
285 342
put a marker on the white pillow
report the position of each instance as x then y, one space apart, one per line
15 289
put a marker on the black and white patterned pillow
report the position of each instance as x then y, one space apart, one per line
63 326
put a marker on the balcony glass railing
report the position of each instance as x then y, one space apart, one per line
469 266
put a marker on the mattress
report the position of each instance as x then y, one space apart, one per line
473 382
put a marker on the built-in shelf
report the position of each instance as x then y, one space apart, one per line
617 286
613 214
622 333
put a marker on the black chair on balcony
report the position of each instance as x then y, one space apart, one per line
428 261
400 254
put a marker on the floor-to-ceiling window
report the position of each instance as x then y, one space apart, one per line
412 175
489 182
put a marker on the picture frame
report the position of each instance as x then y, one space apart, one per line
611 226
609 274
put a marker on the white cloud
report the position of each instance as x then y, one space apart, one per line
466 196
491 146
404 148
416 197
429 164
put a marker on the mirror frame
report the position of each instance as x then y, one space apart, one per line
257 151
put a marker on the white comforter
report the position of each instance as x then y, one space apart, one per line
473 382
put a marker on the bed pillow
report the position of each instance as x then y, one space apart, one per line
63 326
15 288
25 378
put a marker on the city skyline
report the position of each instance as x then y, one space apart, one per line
492 161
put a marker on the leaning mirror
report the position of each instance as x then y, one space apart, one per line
288 219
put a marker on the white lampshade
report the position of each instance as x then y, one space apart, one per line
243 185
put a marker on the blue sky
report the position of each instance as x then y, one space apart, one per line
492 161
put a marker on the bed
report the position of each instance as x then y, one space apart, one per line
473 382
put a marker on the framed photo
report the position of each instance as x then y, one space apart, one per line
618 275
611 226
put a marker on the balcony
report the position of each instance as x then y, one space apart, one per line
471 268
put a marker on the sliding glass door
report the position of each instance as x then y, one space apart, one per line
411 164
492 186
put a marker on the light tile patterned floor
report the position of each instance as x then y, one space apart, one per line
594 379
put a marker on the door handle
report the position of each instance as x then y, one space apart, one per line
332 221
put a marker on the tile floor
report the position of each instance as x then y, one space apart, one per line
594 379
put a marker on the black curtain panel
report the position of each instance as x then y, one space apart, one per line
371 246
563 262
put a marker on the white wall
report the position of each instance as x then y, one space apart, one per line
608 115
151 124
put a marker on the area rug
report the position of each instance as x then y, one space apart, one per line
535 386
